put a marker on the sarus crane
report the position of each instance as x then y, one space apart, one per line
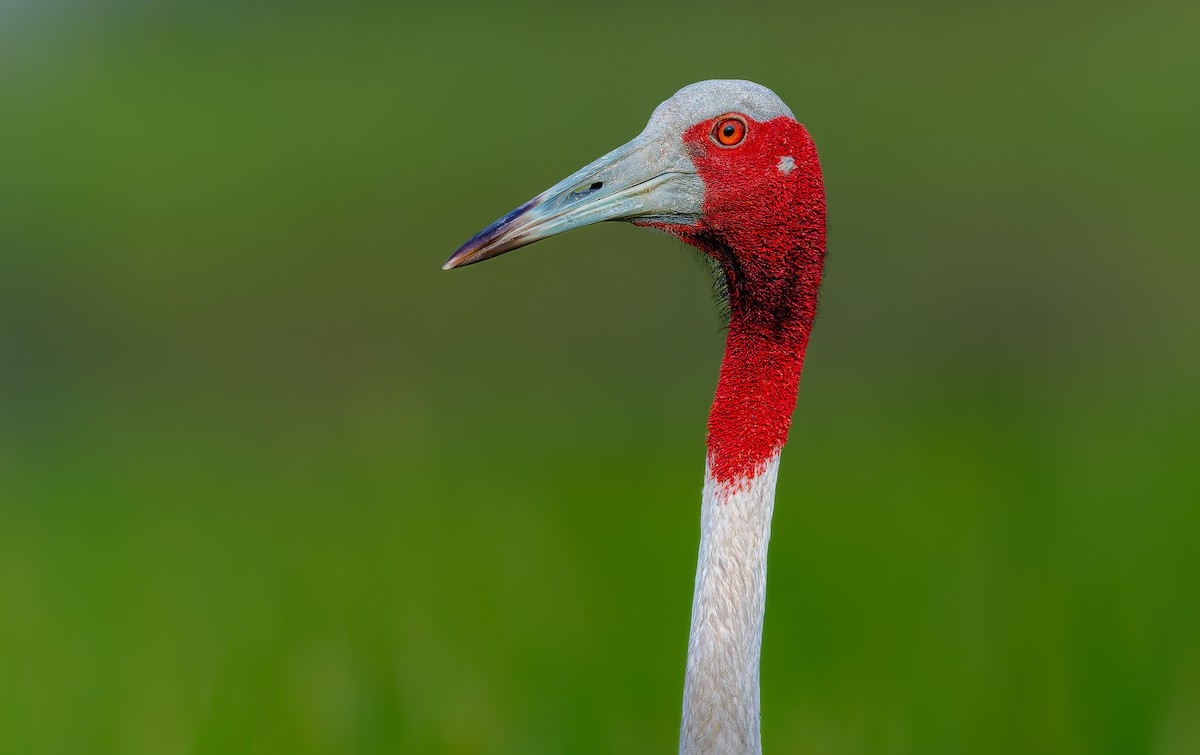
725 167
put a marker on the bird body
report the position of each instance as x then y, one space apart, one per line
725 167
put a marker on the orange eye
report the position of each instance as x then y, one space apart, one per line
729 132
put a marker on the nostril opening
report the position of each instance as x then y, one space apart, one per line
584 189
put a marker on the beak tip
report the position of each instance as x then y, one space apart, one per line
465 255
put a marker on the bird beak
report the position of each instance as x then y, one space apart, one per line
641 181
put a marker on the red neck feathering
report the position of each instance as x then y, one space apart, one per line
764 222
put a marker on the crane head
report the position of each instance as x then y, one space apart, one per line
723 165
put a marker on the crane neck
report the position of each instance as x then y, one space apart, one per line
771 314
748 426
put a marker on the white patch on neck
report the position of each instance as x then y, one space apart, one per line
786 165
720 697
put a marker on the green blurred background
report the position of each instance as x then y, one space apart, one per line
272 482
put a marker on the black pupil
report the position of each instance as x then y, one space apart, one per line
729 130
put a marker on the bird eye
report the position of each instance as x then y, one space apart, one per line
729 131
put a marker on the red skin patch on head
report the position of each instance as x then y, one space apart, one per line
766 227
